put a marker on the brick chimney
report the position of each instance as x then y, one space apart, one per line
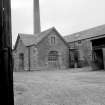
36 17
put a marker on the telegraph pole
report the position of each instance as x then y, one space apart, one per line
6 63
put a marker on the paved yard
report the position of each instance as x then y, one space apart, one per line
59 88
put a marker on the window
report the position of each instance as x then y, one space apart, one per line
34 50
79 42
53 56
52 39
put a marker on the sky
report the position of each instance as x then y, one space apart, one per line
67 16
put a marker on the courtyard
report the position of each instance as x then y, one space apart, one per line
59 87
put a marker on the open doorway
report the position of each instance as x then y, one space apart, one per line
98 58
98 53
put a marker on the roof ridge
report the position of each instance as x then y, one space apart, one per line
25 33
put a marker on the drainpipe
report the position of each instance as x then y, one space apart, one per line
29 64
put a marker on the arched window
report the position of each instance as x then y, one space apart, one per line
53 56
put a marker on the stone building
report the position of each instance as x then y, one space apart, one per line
49 50
42 50
87 48
46 50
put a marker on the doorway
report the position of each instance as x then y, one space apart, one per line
98 58
98 46
21 61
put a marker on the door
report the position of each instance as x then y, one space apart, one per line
21 62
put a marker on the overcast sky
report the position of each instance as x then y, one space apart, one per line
68 16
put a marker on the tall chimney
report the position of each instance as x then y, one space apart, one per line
36 17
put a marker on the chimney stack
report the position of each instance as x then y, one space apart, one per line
36 16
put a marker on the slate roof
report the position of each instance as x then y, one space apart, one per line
30 39
92 32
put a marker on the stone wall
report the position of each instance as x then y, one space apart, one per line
45 47
86 49
83 49
36 56
20 49
33 58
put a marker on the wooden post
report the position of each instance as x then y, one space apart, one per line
6 64
103 49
